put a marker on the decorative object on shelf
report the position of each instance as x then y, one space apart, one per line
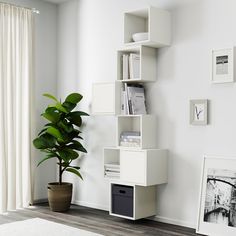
142 36
217 212
199 112
59 139
222 65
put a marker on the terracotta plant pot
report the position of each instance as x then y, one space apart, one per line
59 196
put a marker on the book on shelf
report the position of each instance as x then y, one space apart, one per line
113 165
133 100
125 63
130 66
112 175
134 65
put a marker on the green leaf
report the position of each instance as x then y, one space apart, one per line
42 131
69 106
51 116
75 118
74 171
77 146
50 96
75 167
44 141
45 159
66 127
61 108
74 98
80 113
55 133
68 154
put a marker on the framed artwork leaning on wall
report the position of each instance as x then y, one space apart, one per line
217 203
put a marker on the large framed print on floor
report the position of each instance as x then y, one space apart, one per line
217 204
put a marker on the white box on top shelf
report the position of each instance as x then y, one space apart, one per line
144 167
148 68
145 124
106 98
155 22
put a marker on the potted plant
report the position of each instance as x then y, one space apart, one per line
60 139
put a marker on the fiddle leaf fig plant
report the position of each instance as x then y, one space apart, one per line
60 137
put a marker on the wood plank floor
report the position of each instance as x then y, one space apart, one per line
98 221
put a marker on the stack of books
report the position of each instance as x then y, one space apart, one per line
130 139
133 100
131 66
112 170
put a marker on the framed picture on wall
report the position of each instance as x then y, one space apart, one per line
223 65
199 112
217 202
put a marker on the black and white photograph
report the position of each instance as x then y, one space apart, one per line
217 202
223 65
220 200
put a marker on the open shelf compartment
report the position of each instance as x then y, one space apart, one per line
156 22
111 160
131 201
145 124
148 69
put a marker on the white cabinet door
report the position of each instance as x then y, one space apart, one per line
133 166
103 101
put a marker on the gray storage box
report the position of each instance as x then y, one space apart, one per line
122 200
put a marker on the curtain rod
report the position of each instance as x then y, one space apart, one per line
34 10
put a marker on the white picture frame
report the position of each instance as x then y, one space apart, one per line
222 65
217 211
199 112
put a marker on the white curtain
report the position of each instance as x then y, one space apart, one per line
16 70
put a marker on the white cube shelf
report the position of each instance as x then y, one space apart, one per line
145 124
144 201
148 68
156 22
144 167
111 155
106 98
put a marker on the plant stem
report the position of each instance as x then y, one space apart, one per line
60 172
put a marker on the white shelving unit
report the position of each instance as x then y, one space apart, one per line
141 168
156 22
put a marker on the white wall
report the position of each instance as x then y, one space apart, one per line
183 74
45 81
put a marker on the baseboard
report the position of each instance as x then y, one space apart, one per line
174 221
91 205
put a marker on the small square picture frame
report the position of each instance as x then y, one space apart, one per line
199 112
222 65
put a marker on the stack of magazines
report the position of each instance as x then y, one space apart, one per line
112 170
130 139
133 100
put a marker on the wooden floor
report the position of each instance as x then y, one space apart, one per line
98 221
